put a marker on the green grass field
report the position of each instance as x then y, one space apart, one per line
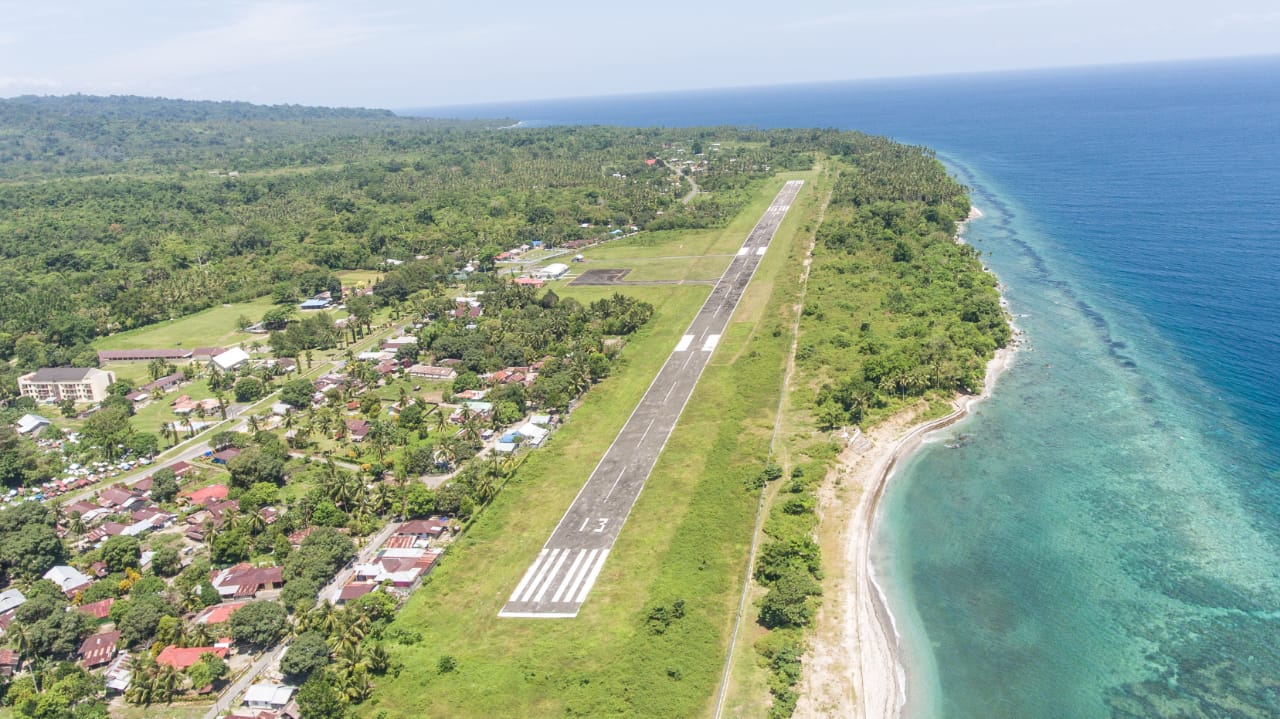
214 327
686 538
359 278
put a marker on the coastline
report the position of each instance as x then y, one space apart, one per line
854 665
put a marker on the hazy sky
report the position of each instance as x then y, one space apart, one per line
411 53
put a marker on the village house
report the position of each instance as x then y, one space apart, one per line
357 429
31 423
181 658
98 649
99 610
164 384
419 532
230 359
9 662
218 613
429 372
354 591
69 579
207 495
119 499
399 567
246 580
271 697
11 599
117 673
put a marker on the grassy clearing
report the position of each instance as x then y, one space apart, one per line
359 278
686 539
214 327
747 693
671 268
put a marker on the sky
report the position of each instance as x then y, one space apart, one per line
419 53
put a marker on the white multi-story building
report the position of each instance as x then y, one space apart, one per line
55 384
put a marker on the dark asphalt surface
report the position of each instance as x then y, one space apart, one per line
558 581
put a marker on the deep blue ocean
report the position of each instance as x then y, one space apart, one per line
1102 537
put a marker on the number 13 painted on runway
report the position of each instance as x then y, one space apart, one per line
602 520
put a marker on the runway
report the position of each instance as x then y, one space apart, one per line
562 575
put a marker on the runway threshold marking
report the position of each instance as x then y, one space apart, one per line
558 581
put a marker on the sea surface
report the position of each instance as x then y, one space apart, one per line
1102 537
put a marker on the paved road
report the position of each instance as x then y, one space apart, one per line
558 581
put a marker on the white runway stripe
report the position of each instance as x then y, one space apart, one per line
684 343
711 343
591 578
533 568
571 577
761 250
555 571
528 593
744 250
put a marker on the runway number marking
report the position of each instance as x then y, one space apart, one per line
601 523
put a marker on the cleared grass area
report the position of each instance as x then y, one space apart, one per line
214 327
359 278
670 268
686 539
747 692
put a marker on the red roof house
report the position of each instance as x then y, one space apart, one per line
218 613
98 610
209 495
9 660
181 658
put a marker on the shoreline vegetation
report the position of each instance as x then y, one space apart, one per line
899 319
855 665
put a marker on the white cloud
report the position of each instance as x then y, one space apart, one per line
909 14
260 35
10 85
1249 20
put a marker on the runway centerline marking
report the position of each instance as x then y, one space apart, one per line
561 576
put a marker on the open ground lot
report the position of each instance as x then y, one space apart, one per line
214 327
686 539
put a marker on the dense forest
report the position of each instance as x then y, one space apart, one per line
116 213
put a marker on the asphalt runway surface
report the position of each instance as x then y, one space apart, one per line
561 577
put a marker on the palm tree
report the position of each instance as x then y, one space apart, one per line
75 524
441 421
168 682
471 427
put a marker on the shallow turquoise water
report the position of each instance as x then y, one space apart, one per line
1085 544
